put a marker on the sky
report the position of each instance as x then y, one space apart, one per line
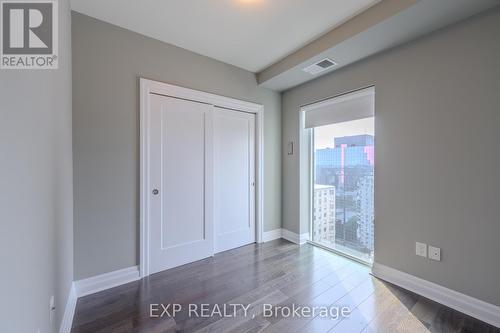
324 135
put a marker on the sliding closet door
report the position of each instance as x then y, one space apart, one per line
181 227
234 179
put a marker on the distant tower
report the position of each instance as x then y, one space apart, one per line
324 214
365 211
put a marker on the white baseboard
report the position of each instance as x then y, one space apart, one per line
294 237
285 234
471 306
271 235
69 311
303 238
105 281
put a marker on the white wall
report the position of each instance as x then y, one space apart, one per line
437 125
36 194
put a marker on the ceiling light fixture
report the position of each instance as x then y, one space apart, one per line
249 2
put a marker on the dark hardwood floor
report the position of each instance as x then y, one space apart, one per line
278 273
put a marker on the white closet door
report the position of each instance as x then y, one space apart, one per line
234 179
181 182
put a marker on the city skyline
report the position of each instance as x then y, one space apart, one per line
323 137
344 215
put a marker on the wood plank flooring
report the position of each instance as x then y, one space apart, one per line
278 273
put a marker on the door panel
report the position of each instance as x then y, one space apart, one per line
183 150
181 156
234 178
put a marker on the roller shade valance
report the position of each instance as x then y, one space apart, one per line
352 106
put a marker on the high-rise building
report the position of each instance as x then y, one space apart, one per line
365 210
350 151
324 214
349 168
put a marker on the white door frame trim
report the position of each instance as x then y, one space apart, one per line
148 87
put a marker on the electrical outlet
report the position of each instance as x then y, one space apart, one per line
434 253
421 249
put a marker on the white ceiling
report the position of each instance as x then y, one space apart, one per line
251 34
422 18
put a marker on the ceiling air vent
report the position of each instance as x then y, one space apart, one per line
320 66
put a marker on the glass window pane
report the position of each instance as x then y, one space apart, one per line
343 202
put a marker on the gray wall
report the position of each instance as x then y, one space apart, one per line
107 62
437 153
36 216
